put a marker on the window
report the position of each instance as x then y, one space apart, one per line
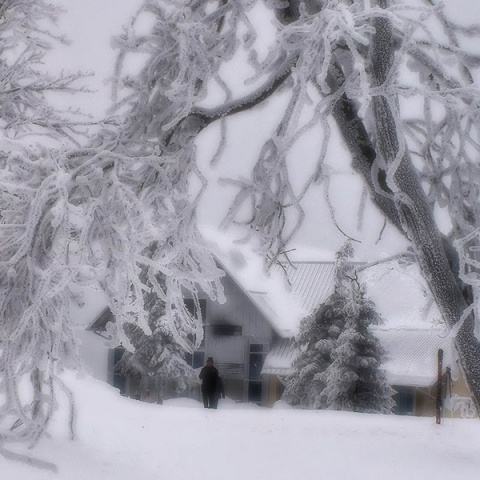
256 348
256 364
255 392
405 400
195 360
225 329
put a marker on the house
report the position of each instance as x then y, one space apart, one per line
251 336
411 336
238 333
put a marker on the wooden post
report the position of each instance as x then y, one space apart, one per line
439 398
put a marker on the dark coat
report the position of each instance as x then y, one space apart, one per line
211 381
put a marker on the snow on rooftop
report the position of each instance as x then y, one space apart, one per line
401 295
287 294
312 282
411 355
269 291
280 358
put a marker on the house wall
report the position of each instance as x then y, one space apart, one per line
457 403
239 356
275 390
232 354
457 400
94 355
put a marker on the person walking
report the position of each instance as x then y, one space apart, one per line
212 385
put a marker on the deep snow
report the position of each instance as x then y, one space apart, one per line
120 439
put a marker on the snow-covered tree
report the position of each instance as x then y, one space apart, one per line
338 362
158 359
391 77
95 213
317 339
24 82
33 332
315 343
353 380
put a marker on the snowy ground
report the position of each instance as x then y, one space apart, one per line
120 439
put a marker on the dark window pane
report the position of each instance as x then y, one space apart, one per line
404 399
256 347
256 363
225 329
255 392
191 307
120 382
118 354
198 359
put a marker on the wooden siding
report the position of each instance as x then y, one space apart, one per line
226 350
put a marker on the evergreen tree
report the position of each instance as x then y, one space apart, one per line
315 343
338 364
353 380
157 358
317 340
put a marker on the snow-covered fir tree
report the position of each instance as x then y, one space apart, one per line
353 380
157 361
315 342
338 364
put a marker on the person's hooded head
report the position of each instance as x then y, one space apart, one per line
210 361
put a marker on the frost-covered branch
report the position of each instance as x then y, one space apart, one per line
23 79
370 62
120 213
247 102
99 216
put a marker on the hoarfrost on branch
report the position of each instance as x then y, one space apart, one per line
101 211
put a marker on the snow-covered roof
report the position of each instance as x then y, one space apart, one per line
287 294
269 291
280 358
401 296
312 282
411 355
